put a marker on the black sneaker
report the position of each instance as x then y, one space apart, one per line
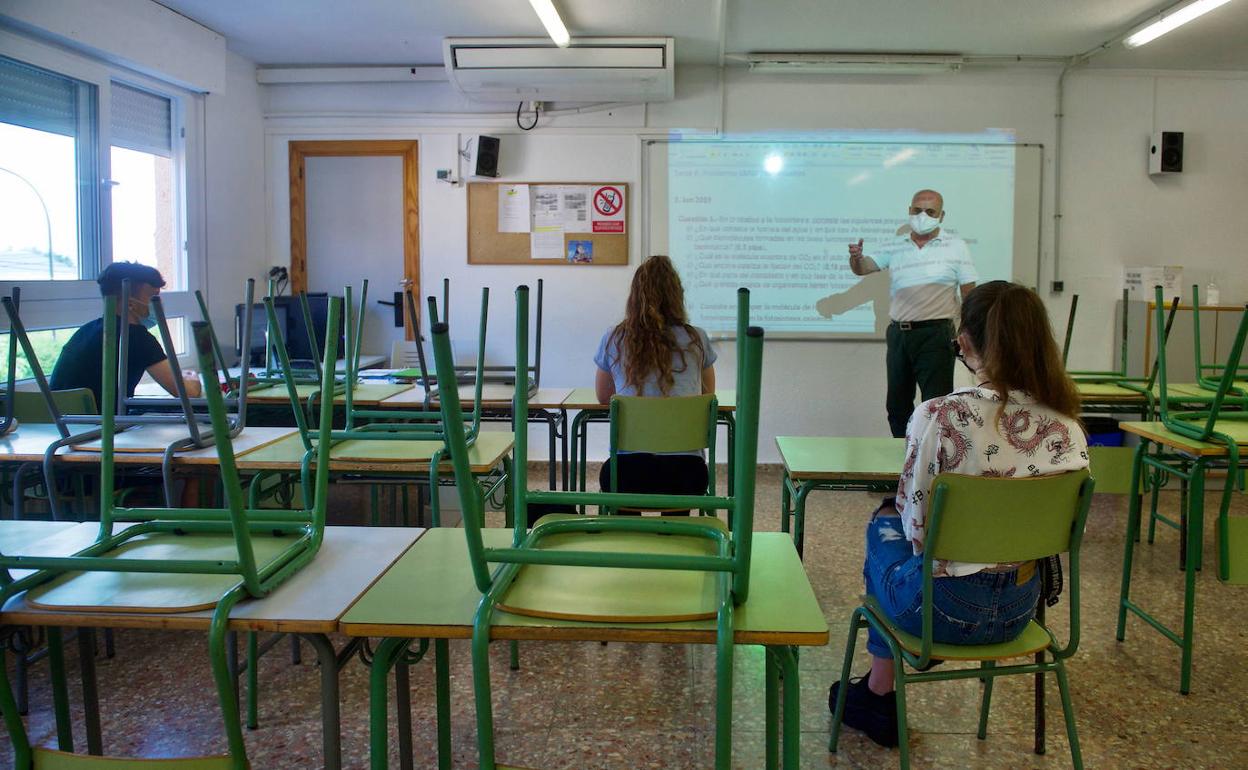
875 715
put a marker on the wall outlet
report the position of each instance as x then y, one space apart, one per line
1057 286
446 175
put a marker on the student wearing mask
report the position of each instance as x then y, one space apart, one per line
81 360
930 273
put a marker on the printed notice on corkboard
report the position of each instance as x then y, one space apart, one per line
571 223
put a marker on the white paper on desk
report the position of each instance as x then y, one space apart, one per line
546 242
513 208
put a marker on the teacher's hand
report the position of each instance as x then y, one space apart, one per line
855 251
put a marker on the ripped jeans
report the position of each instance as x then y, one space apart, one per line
984 608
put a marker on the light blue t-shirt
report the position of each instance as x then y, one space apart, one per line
686 374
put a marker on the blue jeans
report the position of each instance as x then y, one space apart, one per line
984 608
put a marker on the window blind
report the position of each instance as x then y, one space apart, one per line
141 120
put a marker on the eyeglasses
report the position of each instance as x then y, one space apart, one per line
933 213
957 349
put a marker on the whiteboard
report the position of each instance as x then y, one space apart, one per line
786 283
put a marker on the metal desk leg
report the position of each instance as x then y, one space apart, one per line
389 651
403 712
442 677
90 690
1194 532
551 429
331 730
799 517
772 710
60 691
563 448
792 727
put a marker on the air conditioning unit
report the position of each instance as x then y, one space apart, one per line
601 69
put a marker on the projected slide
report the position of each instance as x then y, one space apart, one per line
778 217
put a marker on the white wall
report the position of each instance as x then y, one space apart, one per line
1114 213
234 219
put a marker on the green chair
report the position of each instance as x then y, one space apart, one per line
570 550
659 425
1199 441
1209 376
225 555
986 520
31 408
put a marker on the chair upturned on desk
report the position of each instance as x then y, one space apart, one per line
781 615
310 605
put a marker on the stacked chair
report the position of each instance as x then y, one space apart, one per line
168 433
1195 442
224 554
570 551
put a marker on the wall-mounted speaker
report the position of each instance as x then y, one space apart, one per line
1165 153
483 157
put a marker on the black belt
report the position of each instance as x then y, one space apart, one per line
906 326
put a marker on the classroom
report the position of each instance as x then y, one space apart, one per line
618 384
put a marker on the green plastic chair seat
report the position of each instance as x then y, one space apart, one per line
30 406
155 592
47 759
1033 639
615 594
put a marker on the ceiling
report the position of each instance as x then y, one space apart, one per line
332 32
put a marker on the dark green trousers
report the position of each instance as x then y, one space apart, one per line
919 356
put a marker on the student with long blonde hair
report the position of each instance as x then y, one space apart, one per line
655 352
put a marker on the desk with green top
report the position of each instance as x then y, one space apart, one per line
1190 460
590 409
781 614
1117 398
310 604
832 463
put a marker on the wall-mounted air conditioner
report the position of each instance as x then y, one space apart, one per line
600 69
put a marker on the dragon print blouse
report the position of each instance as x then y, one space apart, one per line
955 434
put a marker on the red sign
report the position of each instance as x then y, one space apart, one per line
609 226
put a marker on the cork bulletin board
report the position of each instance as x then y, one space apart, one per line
488 246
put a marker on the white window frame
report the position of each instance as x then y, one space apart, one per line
58 304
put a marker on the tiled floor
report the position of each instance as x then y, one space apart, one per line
640 706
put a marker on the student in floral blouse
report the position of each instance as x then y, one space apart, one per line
1020 419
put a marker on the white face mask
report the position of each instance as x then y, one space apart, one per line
922 224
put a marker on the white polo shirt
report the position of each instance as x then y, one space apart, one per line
924 281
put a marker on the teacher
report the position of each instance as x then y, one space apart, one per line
930 273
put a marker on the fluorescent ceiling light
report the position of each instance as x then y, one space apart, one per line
852 63
550 20
1169 19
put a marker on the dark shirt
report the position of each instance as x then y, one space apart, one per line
81 361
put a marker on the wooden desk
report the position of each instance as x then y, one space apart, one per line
546 405
249 440
832 463
367 393
1163 453
405 457
43 538
310 604
782 613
